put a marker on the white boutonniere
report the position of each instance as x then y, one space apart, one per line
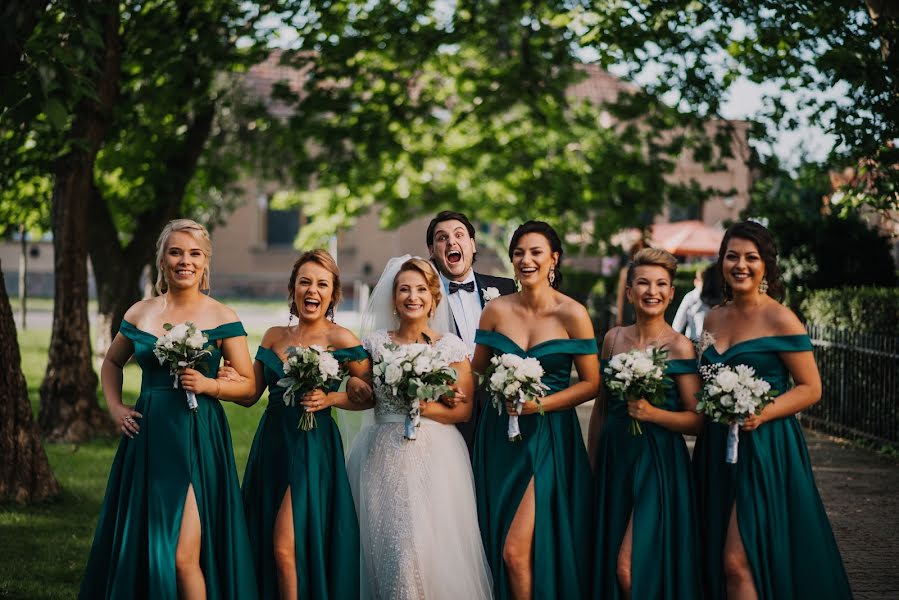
489 294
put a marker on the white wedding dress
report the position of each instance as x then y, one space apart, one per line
415 499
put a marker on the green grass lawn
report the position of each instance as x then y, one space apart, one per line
43 548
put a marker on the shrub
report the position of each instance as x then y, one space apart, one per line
860 309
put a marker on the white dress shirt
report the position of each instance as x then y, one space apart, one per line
466 310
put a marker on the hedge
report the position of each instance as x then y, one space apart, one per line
861 309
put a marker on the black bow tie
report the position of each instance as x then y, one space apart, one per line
455 287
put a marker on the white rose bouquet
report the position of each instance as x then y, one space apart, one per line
308 369
415 372
729 395
512 377
182 347
639 374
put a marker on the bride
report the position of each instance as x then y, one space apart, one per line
415 498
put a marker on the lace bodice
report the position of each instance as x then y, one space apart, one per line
450 346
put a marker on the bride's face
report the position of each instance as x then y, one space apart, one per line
412 298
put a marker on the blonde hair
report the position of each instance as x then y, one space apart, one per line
655 257
426 269
200 235
327 262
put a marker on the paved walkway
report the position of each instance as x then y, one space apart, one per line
860 490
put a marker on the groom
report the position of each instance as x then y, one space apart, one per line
450 239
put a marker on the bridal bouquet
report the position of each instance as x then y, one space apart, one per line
182 347
308 369
415 372
639 374
511 377
729 395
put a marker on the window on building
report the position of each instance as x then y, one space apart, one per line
282 226
681 212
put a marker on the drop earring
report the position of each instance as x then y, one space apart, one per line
763 286
552 276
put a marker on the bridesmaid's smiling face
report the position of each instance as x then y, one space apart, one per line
313 291
651 290
412 298
184 261
743 266
533 259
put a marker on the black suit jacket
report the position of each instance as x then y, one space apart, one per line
505 286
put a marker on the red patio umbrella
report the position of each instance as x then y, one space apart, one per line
687 238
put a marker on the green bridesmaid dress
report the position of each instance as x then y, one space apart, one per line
648 476
311 463
133 554
551 452
789 543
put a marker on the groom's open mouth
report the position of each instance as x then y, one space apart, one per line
453 256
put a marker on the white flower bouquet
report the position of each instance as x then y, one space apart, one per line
639 374
512 377
182 347
308 369
729 395
416 372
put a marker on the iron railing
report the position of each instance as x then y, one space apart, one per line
860 377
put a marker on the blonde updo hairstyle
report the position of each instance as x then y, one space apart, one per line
420 265
200 235
652 257
323 259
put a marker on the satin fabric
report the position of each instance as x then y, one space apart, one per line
551 452
788 539
133 553
310 463
648 476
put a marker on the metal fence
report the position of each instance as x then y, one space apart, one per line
860 377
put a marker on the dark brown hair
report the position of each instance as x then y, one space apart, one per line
555 244
759 235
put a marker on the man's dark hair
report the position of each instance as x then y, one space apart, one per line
447 215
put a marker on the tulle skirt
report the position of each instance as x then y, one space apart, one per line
418 520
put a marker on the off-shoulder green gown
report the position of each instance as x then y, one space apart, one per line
133 554
647 475
789 543
552 452
311 463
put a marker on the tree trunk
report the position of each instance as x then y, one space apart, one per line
25 475
69 409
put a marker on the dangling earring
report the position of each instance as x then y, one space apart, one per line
552 276
330 313
763 286
292 311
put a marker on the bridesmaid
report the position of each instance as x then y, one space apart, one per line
645 534
534 497
172 522
299 506
764 529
